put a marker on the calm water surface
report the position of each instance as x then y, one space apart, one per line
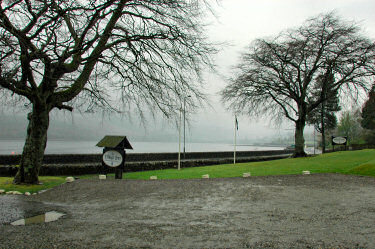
88 147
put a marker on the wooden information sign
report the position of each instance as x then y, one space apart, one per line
114 153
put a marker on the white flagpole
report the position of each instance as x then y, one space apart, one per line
235 139
179 142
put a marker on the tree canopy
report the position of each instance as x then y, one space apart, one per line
368 111
323 117
368 117
278 76
122 55
139 52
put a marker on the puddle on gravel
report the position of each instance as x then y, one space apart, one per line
43 218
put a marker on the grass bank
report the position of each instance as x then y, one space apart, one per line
47 182
346 162
360 162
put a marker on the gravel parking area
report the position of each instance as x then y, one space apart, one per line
310 211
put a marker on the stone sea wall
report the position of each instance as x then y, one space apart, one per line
79 164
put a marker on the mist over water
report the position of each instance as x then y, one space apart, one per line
8 147
79 134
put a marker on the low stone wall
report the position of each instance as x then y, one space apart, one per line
140 157
361 146
350 147
81 164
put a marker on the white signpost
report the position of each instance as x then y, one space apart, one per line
112 158
114 154
339 141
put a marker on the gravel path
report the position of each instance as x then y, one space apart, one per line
312 211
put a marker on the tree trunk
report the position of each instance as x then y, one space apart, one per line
35 144
299 139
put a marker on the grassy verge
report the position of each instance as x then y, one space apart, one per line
366 169
46 183
360 162
346 162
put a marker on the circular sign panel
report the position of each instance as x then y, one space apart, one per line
339 140
112 158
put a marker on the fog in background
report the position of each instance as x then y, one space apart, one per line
238 23
91 127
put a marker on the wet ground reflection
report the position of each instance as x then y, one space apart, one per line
43 218
14 208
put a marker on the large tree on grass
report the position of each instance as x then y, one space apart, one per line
278 76
117 54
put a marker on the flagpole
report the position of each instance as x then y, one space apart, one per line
235 139
179 142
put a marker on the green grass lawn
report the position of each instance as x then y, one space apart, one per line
346 162
46 183
360 162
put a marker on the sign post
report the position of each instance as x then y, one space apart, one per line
114 158
339 141
235 138
114 153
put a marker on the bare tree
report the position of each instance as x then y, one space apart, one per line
278 76
116 54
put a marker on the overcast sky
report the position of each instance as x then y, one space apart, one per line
241 21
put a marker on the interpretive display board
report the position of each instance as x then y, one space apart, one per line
114 153
339 140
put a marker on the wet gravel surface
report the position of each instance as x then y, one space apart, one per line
313 211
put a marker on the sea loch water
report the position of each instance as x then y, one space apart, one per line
88 147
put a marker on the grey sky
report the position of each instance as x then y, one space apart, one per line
241 21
